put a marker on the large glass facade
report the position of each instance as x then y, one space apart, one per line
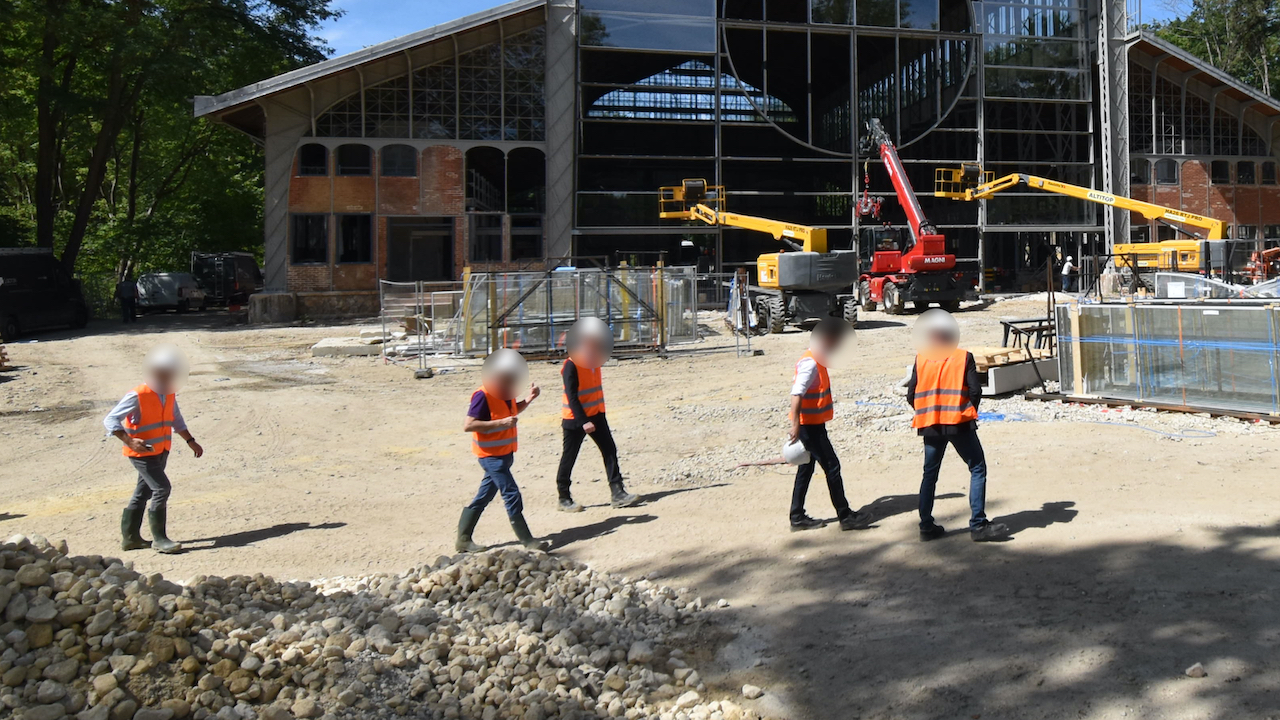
770 97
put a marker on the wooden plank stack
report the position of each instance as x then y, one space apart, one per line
986 357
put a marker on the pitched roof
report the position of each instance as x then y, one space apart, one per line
1175 57
209 104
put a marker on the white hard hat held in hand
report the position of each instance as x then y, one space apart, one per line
795 453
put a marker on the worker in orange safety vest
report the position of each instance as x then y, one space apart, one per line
491 420
944 390
811 408
145 421
582 412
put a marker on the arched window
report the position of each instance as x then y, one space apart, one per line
686 92
1140 171
313 159
1167 171
399 161
486 180
354 159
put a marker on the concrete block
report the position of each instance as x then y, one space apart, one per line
273 308
344 347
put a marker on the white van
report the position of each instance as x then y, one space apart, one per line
169 291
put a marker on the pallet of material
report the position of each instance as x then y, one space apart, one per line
4 359
987 357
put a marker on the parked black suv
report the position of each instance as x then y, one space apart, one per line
37 292
226 278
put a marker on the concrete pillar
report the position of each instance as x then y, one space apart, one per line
562 117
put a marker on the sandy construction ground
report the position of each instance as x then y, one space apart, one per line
1143 542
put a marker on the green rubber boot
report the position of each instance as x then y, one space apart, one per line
131 531
466 526
526 538
159 539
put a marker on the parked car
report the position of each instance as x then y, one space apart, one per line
37 292
169 291
227 278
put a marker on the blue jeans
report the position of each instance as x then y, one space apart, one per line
498 479
970 449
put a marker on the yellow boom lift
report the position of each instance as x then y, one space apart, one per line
969 182
792 288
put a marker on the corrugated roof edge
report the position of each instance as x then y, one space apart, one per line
208 104
1223 77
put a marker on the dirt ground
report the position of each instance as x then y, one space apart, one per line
1143 544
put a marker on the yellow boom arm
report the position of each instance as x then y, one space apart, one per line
962 185
695 200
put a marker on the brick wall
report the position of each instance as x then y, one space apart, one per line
1257 205
310 278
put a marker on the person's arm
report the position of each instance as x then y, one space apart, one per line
114 422
534 392
911 386
180 427
570 375
972 380
478 417
806 375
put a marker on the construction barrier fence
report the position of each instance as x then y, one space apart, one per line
649 308
1199 355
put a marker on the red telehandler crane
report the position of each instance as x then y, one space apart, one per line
897 271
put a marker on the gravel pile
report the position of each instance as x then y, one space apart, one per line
505 634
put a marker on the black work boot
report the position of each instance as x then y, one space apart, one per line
621 498
131 531
466 526
807 523
526 538
568 504
159 539
856 521
933 532
989 531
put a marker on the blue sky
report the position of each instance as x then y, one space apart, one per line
368 22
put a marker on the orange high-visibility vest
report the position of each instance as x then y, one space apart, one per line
499 442
154 423
815 405
590 392
941 397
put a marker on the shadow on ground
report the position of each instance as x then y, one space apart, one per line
595 530
10 516
249 537
956 629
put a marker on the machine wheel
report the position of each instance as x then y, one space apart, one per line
10 331
764 313
893 303
864 296
951 306
777 314
851 312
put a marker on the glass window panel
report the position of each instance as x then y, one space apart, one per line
435 101
1220 172
526 237
705 8
523 63
354 159
1268 173
878 13
1022 83
1247 232
486 179
956 16
1244 172
1027 19
839 12
310 242
342 119
399 161
313 159
1271 232
743 9
1140 171
1034 53
526 180
919 14
386 111
642 31
480 94
355 238
786 11
1040 210
616 209
1167 171
486 237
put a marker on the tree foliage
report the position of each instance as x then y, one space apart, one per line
100 157
1241 37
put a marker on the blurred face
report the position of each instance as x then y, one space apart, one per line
589 352
162 381
505 386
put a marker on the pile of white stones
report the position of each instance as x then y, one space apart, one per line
506 634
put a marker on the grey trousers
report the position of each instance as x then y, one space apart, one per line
153 484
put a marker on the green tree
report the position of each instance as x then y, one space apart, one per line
1241 37
101 154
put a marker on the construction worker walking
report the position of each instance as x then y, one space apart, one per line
811 408
582 411
491 420
145 421
944 391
